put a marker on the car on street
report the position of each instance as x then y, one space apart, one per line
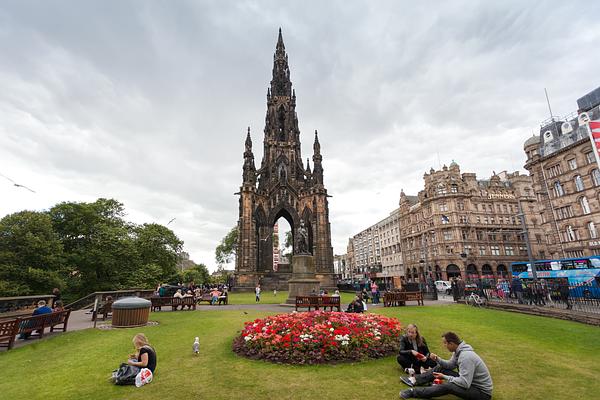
443 287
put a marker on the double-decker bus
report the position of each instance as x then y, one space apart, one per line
582 273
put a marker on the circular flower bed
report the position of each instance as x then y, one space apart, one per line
318 337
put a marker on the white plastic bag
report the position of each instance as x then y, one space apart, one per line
145 376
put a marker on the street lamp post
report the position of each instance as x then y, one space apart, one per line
525 232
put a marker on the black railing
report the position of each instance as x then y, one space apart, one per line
582 297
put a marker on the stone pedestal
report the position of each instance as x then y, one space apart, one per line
304 281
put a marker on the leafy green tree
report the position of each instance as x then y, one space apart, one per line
31 255
226 251
158 245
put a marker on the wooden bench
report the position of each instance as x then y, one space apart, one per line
173 302
34 325
205 297
399 298
103 310
8 332
318 302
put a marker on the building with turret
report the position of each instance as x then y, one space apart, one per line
461 226
566 181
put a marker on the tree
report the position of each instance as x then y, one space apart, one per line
31 255
157 245
288 246
227 249
100 249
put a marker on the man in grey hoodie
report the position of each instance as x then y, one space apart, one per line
472 382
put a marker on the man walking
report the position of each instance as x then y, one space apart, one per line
473 382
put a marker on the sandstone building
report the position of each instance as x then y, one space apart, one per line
566 182
459 225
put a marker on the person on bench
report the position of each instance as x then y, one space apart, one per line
472 382
414 351
214 296
42 308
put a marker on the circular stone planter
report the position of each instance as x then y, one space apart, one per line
319 337
130 311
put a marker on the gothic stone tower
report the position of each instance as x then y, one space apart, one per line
281 187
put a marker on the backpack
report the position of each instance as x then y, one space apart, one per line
125 375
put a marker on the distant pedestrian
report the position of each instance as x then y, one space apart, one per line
517 287
257 293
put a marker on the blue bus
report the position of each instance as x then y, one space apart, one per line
582 273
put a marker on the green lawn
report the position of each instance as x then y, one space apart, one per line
529 357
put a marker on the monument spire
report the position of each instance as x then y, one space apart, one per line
281 84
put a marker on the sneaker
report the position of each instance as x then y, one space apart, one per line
407 381
406 394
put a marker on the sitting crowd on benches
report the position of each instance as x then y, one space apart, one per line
189 296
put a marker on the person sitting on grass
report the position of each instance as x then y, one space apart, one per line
144 356
356 306
473 382
414 351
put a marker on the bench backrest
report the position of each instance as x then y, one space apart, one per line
8 328
325 301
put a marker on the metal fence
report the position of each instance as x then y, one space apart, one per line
584 298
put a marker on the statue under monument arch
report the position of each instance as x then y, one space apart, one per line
282 187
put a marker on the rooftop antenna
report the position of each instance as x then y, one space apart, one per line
549 108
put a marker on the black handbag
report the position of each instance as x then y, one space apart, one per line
126 374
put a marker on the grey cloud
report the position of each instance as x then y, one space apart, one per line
149 101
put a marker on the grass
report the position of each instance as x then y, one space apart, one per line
529 357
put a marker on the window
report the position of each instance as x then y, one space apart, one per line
585 206
443 207
554 170
463 219
465 234
441 189
460 205
447 234
564 212
454 188
522 250
596 177
578 183
558 189
570 234
509 251
479 235
592 230
572 164
589 157
482 250
495 250
478 219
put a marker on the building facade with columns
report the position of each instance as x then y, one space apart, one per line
566 181
461 226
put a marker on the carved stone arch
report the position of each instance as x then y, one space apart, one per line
286 211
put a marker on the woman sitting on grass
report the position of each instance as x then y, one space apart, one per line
414 352
145 354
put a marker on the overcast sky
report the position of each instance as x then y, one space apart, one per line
148 102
